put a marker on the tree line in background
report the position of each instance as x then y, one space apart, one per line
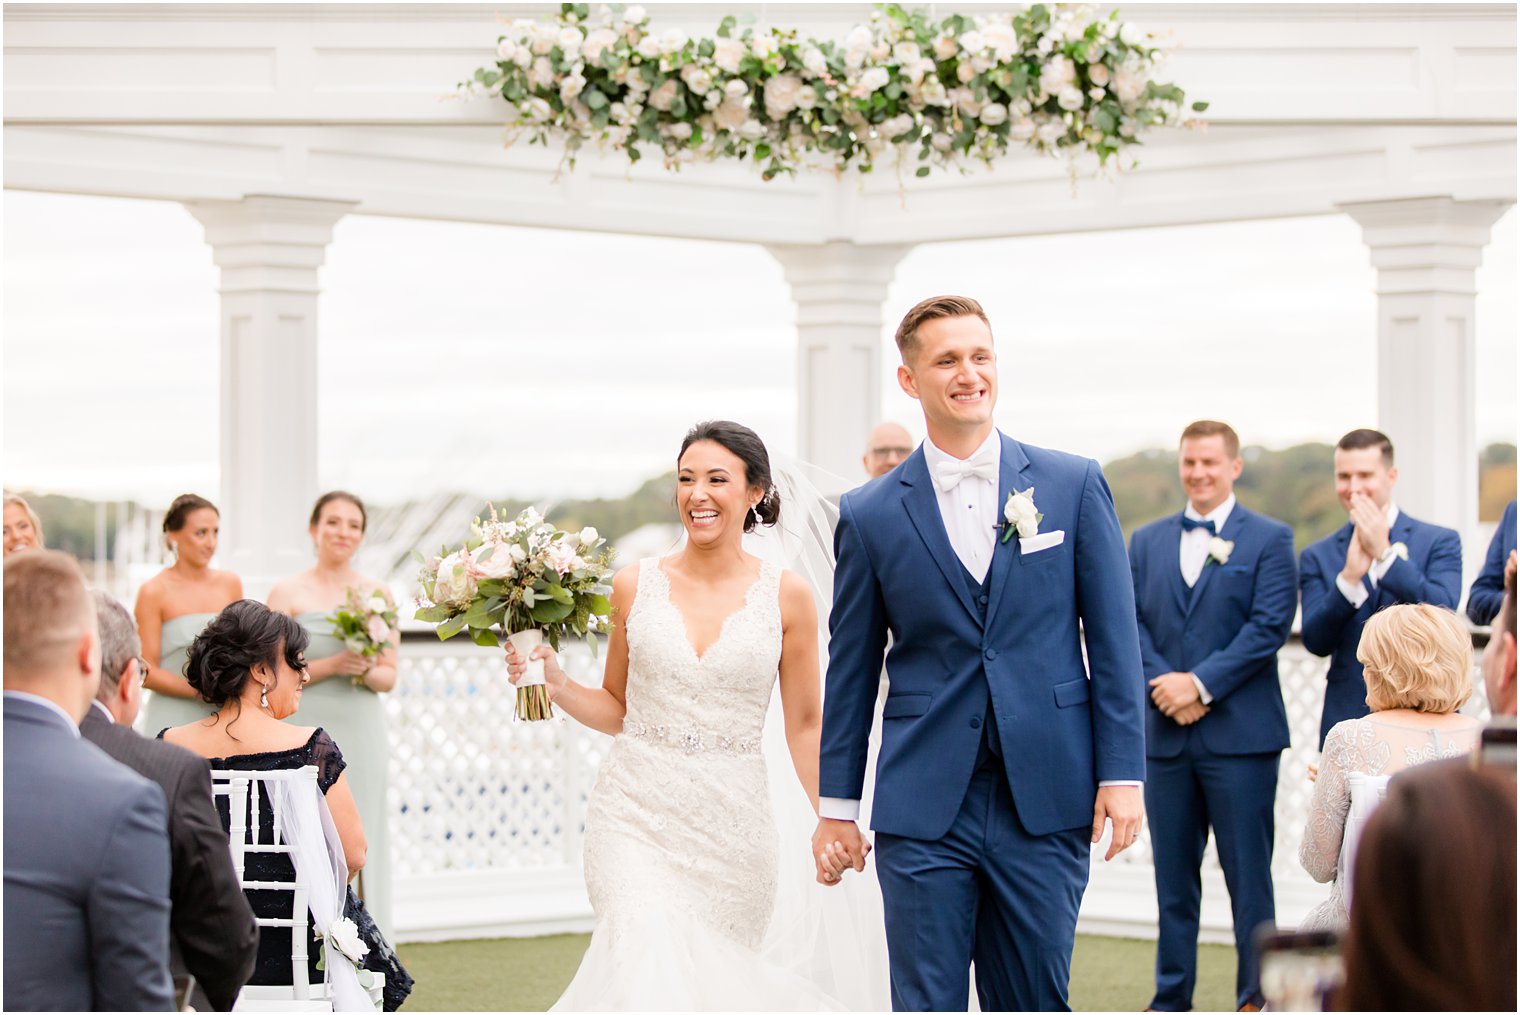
1293 484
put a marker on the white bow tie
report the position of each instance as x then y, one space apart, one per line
982 464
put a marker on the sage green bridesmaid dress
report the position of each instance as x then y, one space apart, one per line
354 716
174 645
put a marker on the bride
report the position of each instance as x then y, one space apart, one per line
681 847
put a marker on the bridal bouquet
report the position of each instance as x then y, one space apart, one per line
365 623
524 580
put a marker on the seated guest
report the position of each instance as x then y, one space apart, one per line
86 839
1433 928
212 934
23 529
1488 588
249 665
1417 665
1499 657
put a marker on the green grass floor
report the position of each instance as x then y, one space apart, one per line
527 974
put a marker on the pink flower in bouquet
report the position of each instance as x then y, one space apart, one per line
379 630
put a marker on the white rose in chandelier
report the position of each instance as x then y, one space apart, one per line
1059 73
896 126
945 47
1050 131
1070 99
934 93
1097 73
735 90
1130 35
907 52
814 61
973 42
597 41
965 71
697 79
781 94
1022 129
731 115
663 96
570 86
1128 85
727 54
966 101
634 15
506 50
752 130
941 141
681 132
569 42
538 110
1002 38
649 47
994 113
868 82
672 41
541 74
763 46
807 98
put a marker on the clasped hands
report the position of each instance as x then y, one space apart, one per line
1369 538
837 847
1177 697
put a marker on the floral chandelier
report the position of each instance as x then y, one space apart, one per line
904 90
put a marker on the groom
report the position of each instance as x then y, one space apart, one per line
1001 761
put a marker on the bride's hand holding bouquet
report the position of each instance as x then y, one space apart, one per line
526 582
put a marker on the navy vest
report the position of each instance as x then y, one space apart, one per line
992 745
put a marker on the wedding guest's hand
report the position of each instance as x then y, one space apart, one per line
554 677
1313 771
1190 714
836 840
1173 692
1357 561
1371 524
1123 806
349 663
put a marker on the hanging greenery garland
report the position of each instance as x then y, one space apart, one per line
1057 79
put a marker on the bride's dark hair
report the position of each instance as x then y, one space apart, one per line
747 446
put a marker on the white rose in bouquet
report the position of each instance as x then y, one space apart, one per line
807 98
870 81
570 86
973 41
379 630
1050 131
994 113
1070 99
681 132
731 115
634 15
727 54
1058 74
498 564
569 42
1098 73
455 585
763 46
1003 40
697 79
781 94
1022 129
814 61
752 130
945 47
377 604
538 110
649 47
663 96
588 536
506 50
1128 85
735 90
597 41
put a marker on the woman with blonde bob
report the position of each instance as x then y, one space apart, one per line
1417 661
23 529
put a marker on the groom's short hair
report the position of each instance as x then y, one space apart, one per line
1357 440
931 309
1214 428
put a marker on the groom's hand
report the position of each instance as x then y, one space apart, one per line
1123 806
834 841
1173 692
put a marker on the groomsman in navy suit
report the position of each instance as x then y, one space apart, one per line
1487 593
1215 593
1380 557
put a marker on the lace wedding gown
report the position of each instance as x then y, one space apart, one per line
1372 747
682 856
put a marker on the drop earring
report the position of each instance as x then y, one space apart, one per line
264 696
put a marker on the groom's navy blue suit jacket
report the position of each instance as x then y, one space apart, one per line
1226 629
1060 732
1333 627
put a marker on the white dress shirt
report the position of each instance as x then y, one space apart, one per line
1356 594
1193 555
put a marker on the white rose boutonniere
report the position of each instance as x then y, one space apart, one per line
1220 549
1021 515
343 935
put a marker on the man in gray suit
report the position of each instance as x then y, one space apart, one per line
212 933
86 906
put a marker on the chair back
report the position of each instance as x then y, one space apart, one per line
1367 792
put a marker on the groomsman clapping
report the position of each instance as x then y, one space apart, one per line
1214 590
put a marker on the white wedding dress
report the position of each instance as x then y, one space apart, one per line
684 863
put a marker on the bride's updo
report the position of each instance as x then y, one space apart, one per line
747 446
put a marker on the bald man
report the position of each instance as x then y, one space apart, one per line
888 446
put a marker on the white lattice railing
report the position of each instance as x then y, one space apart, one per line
487 812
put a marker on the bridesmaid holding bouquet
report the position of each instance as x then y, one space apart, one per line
350 671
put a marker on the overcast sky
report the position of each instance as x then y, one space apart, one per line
545 364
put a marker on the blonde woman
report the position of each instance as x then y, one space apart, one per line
23 529
175 604
1417 663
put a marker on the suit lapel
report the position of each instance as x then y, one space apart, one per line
1399 533
1210 565
1172 566
922 504
1013 474
1342 544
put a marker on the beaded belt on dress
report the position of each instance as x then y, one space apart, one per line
691 740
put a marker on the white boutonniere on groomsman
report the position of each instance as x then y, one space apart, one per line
1021 515
1220 550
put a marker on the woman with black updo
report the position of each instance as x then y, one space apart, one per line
249 665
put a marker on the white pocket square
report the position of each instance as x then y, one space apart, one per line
1044 541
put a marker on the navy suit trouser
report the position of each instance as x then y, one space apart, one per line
989 891
1184 796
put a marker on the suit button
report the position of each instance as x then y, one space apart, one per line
976 724
991 653
982 600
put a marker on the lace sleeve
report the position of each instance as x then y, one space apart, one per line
328 759
1321 848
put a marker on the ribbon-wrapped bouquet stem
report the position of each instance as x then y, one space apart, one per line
524 580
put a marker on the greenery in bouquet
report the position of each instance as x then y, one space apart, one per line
520 575
365 623
952 92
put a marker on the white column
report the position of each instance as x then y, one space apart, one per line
269 249
839 288
1426 252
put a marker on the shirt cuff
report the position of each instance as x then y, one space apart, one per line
1380 567
1356 595
1119 782
1203 692
837 809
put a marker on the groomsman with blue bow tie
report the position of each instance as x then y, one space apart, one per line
1215 595
1380 557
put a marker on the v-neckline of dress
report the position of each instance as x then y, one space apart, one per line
701 657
